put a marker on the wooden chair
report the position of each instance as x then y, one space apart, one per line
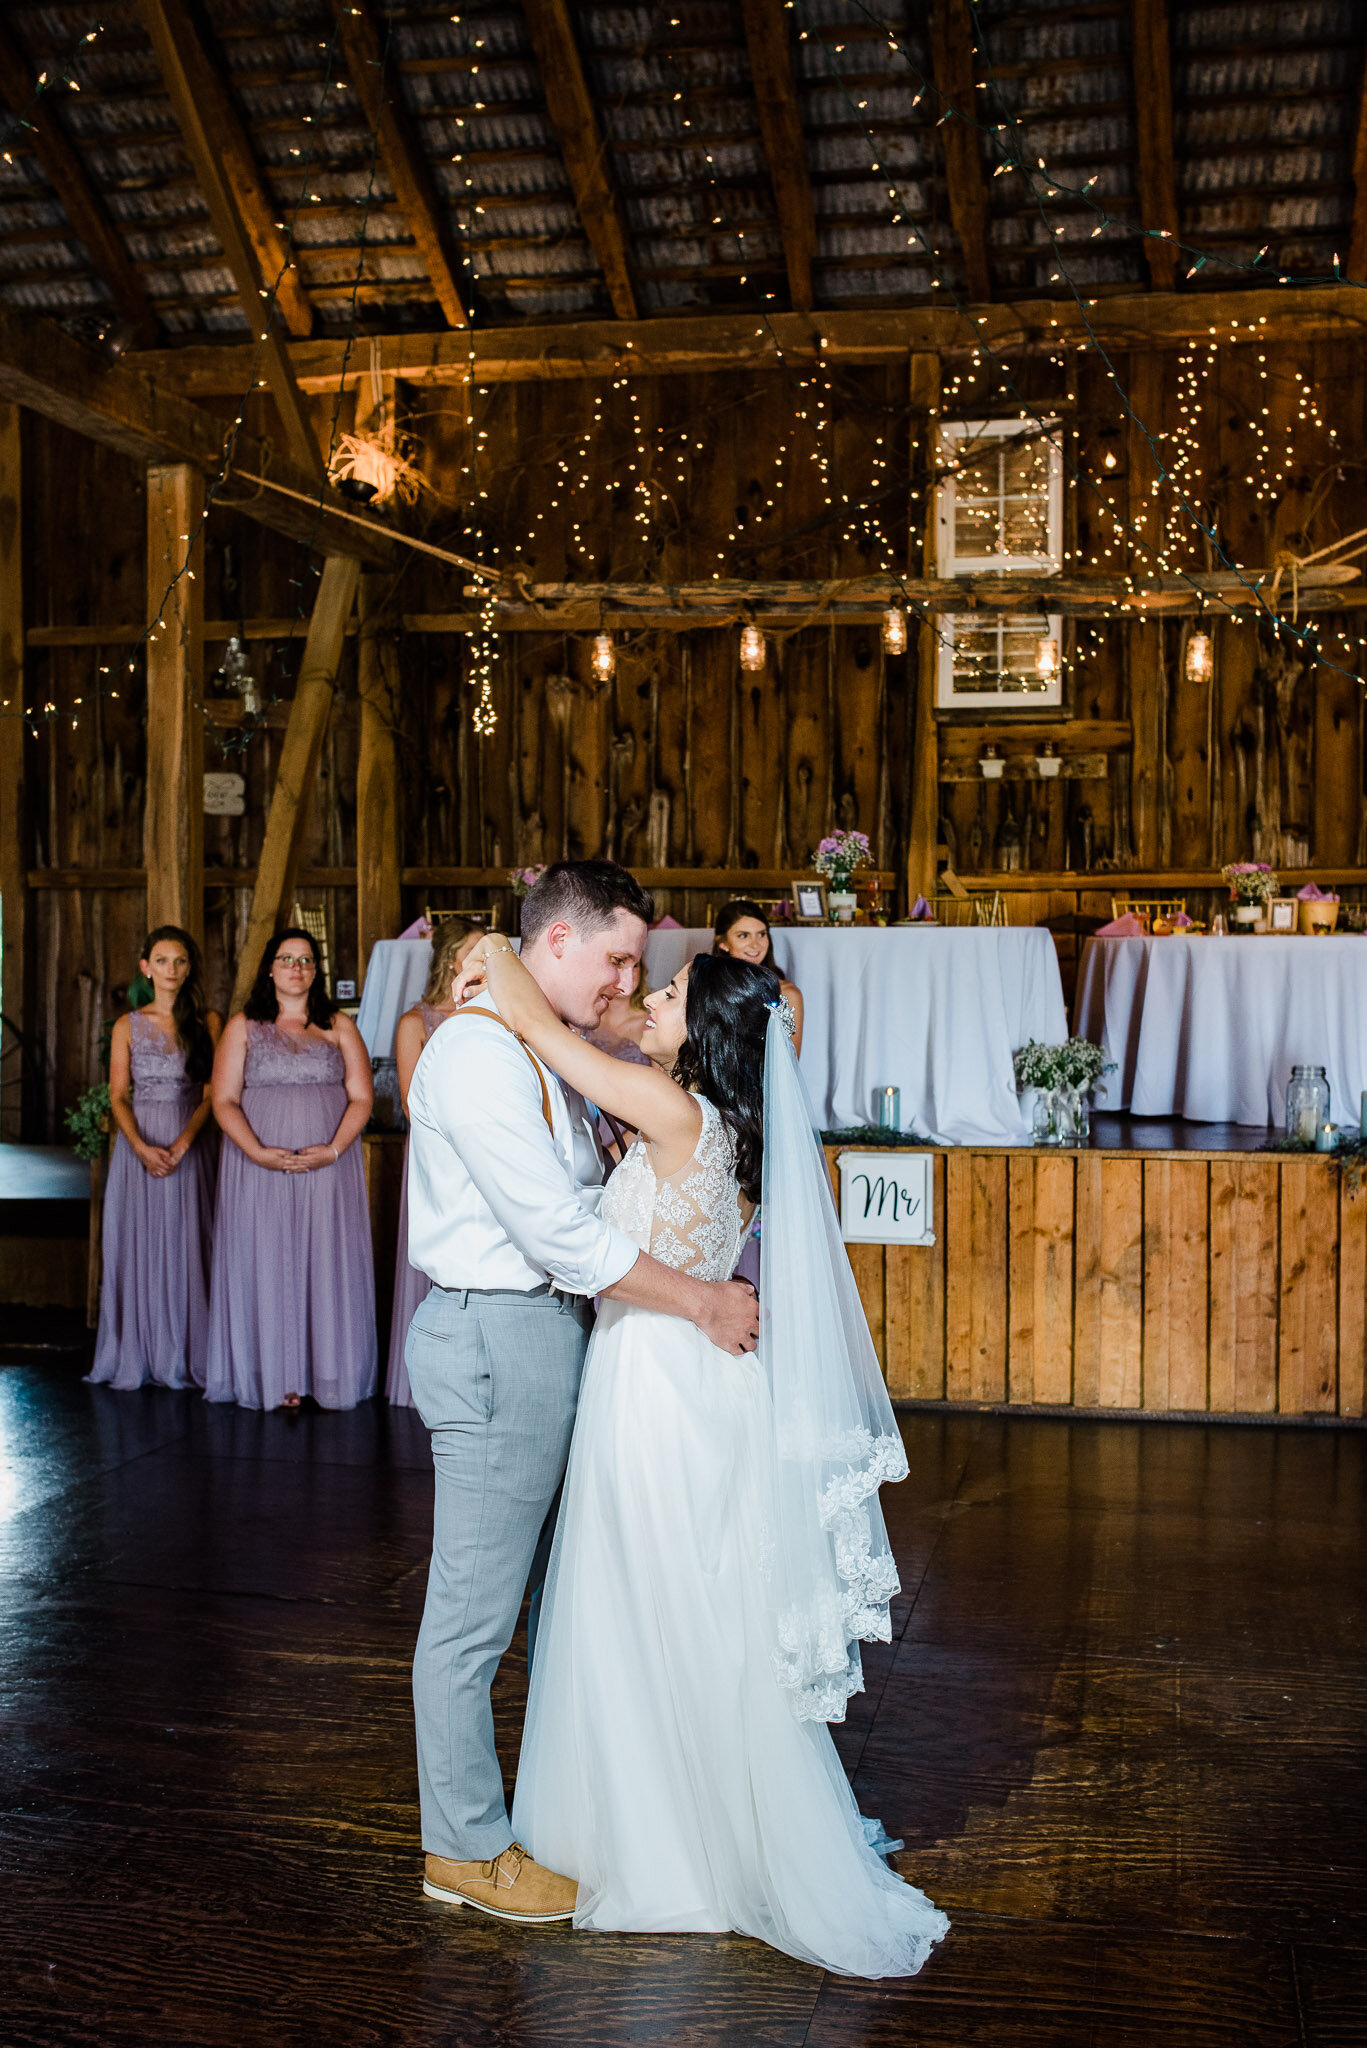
984 911
1147 908
486 917
315 923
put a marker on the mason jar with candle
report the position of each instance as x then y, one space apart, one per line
1307 1104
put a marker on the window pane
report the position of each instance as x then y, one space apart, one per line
1027 526
975 528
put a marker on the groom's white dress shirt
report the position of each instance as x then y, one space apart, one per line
494 1198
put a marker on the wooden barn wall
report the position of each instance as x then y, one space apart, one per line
682 760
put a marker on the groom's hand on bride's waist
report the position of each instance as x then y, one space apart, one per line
726 1311
728 1315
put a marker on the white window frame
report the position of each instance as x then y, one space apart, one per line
952 432
947 698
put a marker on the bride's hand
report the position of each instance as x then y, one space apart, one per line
472 973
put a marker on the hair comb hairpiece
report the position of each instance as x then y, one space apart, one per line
786 1015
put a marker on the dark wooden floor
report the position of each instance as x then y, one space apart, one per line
1121 1729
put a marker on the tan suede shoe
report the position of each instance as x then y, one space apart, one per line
511 1887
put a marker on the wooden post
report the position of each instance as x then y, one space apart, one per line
173 822
1147 679
378 854
13 834
924 392
278 868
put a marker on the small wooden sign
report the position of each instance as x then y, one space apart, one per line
887 1197
225 796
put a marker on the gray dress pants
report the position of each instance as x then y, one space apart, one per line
495 1377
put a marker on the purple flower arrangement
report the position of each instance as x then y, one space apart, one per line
840 854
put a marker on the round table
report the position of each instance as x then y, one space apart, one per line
1210 1028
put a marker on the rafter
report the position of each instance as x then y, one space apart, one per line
1151 70
780 125
951 43
125 408
64 172
1357 233
570 107
376 86
194 95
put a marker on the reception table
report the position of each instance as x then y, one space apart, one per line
1210 1028
933 1011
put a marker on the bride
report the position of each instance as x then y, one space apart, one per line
720 1548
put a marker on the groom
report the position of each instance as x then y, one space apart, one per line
504 1177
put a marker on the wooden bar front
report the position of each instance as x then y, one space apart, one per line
1163 1282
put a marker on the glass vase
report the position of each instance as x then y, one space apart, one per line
1062 1116
1307 1104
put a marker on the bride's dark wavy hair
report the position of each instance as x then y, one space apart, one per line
723 1054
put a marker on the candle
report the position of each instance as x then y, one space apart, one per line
889 1109
1306 1128
1325 1136
1362 1114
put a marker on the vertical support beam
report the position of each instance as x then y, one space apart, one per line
278 868
173 822
951 43
378 903
780 125
924 396
1357 234
13 831
1150 48
1145 651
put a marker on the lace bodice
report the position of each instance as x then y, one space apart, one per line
277 1058
692 1221
157 1062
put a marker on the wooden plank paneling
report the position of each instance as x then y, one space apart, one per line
1176 1305
1040 1360
914 1307
1255 1228
1122 1282
13 833
1308 1323
1352 1303
1087 1283
1224 1279
978 1220
867 1263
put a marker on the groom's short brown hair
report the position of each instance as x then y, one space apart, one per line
585 893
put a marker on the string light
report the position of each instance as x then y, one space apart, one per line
895 630
1199 663
753 654
604 658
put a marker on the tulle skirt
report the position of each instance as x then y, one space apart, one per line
662 1766
410 1287
154 1295
293 1307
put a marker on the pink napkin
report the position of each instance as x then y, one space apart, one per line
1126 927
921 912
419 929
1181 921
667 924
1312 893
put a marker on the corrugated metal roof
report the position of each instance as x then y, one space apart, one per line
1264 104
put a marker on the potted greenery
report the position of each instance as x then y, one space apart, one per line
1252 885
839 857
1062 1078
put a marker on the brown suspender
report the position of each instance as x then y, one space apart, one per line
493 1016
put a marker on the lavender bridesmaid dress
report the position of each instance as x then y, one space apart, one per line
410 1286
293 1302
154 1297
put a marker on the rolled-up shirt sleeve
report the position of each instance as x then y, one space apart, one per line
484 1097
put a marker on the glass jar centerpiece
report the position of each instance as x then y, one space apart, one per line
1252 885
839 858
1307 1104
1060 1079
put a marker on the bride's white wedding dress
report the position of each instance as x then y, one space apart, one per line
663 1766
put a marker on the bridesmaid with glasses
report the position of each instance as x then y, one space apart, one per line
293 1302
451 941
159 1197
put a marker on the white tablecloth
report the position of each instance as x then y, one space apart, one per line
394 979
1210 1028
936 1012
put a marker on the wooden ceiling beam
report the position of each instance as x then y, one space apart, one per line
682 344
569 105
780 126
1357 233
62 167
197 101
1151 70
951 44
377 88
119 404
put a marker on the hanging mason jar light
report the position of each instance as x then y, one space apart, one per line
752 650
1046 658
1199 665
895 630
604 658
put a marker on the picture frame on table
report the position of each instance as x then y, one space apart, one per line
809 901
1281 914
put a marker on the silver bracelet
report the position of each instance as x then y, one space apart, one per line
336 1156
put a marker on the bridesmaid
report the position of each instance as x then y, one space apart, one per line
454 938
293 1301
159 1198
742 930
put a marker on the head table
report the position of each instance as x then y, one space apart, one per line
1210 1028
935 1012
